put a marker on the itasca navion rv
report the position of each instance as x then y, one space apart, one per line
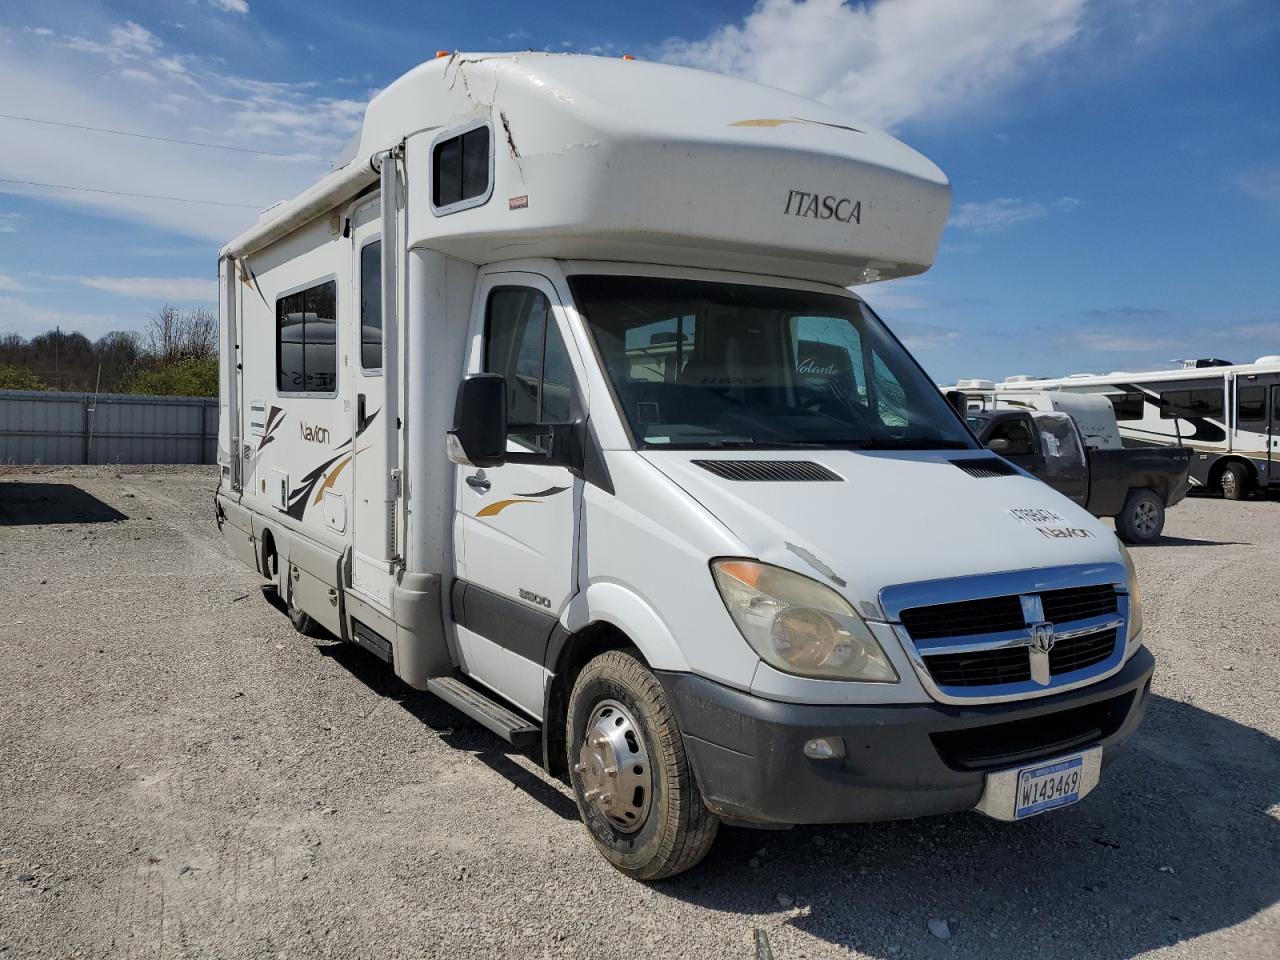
552 396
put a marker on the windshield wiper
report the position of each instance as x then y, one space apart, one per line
914 443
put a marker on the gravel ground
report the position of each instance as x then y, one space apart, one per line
181 774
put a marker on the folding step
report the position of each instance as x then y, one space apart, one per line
510 726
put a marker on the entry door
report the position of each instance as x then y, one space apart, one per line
1273 433
518 522
371 560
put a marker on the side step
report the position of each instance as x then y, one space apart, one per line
510 726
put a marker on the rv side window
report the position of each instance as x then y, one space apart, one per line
461 170
523 344
1128 406
1191 404
306 342
1251 403
371 305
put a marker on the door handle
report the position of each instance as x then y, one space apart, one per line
360 408
477 482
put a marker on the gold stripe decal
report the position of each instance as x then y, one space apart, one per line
493 509
331 478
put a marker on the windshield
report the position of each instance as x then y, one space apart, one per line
697 364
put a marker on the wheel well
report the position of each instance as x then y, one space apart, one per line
576 652
1215 475
270 559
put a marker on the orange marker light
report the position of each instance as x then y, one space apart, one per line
441 53
627 56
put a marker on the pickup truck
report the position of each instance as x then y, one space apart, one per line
1135 485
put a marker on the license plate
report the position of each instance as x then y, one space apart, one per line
1048 786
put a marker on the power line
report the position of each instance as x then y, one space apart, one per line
147 136
139 196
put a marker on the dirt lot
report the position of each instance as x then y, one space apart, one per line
181 774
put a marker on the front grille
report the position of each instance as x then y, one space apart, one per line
1032 738
1078 603
981 669
777 471
1076 653
1013 664
971 618
967 619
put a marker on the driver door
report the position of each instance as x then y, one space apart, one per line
517 523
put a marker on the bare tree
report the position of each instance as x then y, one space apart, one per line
174 334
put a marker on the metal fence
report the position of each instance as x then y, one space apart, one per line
38 427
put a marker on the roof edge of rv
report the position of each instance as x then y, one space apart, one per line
340 185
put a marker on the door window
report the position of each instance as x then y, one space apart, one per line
371 305
523 344
1018 433
1251 403
1060 440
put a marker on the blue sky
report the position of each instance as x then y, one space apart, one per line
1116 163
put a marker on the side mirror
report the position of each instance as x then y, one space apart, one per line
998 445
958 401
479 434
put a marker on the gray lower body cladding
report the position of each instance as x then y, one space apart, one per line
901 761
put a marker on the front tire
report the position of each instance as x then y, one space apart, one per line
1234 481
1141 520
629 771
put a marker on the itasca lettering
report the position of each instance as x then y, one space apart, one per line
823 206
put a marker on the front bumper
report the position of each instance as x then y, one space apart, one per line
900 761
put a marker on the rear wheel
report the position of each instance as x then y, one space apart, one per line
629 772
1234 481
1141 520
301 620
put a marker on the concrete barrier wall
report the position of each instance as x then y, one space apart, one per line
40 427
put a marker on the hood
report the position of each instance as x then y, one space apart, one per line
892 517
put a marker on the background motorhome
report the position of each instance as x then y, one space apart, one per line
1227 414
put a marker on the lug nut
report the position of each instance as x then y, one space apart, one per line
579 767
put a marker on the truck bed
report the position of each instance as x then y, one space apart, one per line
1113 473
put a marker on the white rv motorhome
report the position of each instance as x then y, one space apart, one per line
552 396
1228 414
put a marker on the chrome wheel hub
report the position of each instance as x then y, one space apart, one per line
613 764
1144 518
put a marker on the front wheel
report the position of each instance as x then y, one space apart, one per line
629 772
1141 520
1234 481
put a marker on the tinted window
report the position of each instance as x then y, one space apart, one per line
1018 433
461 168
1128 406
1251 403
306 340
371 305
523 344
1188 404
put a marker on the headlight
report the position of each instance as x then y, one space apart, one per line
1135 596
799 625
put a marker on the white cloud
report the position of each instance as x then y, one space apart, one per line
9 222
156 288
9 283
1005 213
230 6
19 316
97 78
1260 184
888 62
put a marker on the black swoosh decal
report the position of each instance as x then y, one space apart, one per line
549 492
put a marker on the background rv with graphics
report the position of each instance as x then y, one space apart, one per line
552 395
1227 414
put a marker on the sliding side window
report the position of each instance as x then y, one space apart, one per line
461 171
306 341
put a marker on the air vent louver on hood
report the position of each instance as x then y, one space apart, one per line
985 467
777 471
